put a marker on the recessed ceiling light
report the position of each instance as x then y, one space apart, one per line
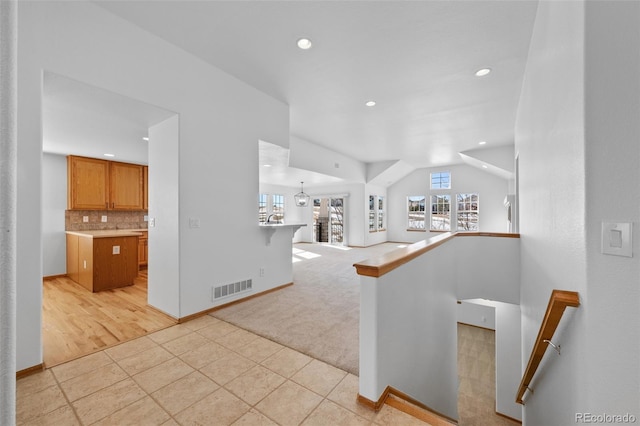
482 143
145 138
109 155
482 72
370 103
304 43
266 165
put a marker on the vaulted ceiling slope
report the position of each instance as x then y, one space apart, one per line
416 59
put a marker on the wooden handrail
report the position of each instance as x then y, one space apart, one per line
378 266
559 300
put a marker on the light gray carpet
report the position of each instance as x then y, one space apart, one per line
319 314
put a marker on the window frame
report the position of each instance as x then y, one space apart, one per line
421 211
468 211
431 212
441 180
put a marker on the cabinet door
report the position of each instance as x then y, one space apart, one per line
145 171
88 183
126 186
143 244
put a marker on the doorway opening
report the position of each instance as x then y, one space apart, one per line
328 220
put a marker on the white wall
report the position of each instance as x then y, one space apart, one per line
307 155
487 268
54 204
577 136
550 143
464 178
408 335
221 120
164 201
612 112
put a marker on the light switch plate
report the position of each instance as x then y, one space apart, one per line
617 238
116 249
104 218
85 219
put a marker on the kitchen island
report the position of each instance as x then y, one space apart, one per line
102 260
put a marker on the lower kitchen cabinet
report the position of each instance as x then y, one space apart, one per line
100 261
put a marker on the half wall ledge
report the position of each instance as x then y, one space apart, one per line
383 264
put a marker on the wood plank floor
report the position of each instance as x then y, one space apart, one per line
76 322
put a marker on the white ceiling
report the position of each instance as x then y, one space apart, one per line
85 120
416 59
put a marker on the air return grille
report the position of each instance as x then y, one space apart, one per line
227 290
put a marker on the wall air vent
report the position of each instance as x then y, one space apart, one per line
226 290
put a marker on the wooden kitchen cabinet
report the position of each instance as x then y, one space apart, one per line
94 184
104 262
126 186
87 183
143 249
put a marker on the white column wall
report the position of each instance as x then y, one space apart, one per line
550 144
54 204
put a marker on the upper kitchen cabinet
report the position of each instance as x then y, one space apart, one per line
125 189
87 183
104 185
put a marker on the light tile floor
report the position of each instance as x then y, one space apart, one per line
203 372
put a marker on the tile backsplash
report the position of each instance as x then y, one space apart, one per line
73 220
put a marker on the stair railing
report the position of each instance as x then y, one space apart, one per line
559 301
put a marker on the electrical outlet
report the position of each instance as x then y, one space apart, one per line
116 249
194 222
152 222
262 272
104 218
85 219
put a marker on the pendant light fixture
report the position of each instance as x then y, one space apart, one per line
302 199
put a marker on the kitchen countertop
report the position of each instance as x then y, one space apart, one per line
109 233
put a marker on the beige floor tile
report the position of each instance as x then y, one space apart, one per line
330 413
185 343
80 366
188 390
93 381
130 348
205 354
346 395
108 400
254 418
237 339
34 383
255 384
170 422
162 374
201 322
286 362
319 377
389 416
259 349
227 368
61 416
290 404
173 332
141 413
39 403
145 360
219 408
217 330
